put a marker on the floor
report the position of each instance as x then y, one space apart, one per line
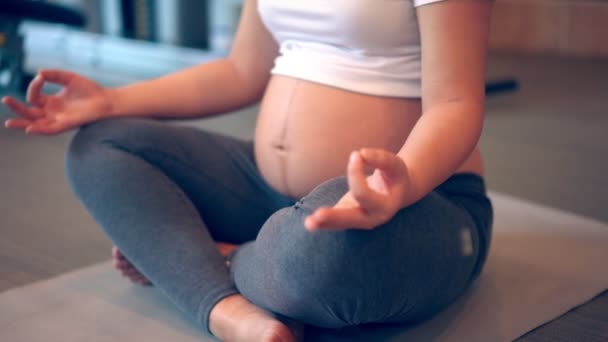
547 142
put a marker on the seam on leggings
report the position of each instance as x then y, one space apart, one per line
195 172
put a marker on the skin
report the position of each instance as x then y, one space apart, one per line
394 150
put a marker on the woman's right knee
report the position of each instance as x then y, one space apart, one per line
83 154
120 132
100 131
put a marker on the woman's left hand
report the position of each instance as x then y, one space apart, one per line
371 200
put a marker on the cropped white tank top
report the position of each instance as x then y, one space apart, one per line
366 46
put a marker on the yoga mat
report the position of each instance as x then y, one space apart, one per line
543 262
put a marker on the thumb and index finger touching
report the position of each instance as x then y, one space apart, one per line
384 160
370 158
370 201
34 93
35 96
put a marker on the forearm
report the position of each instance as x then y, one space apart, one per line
198 91
440 142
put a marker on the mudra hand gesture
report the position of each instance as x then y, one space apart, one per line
80 101
371 200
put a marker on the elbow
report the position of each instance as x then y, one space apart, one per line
252 87
251 81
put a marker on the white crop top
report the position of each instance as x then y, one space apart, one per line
366 46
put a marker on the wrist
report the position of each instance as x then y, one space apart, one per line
412 193
112 109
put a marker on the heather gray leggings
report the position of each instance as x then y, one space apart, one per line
163 193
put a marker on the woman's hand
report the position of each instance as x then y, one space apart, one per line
79 102
371 200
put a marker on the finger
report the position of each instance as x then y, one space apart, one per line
22 110
388 162
17 123
356 177
34 92
61 77
338 219
357 184
48 127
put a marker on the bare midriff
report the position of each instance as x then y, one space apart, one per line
306 131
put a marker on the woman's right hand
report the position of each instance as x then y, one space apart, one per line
80 101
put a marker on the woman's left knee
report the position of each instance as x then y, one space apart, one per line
326 278
323 254
313 262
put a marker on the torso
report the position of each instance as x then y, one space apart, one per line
306 131
308 123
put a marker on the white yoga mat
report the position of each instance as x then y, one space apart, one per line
543 262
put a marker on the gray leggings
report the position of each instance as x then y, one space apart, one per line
164 193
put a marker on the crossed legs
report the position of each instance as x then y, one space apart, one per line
166 194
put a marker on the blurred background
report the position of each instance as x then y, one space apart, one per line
545 138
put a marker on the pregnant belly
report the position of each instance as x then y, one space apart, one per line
306 131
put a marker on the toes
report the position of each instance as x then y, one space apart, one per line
119 261
131 273
134 275
126 268
117 254
141 280
144 282
122 265
137 278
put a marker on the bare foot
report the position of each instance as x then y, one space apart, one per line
235 319
128 270
122 264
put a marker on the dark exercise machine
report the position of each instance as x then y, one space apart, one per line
12 13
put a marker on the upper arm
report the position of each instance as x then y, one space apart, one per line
254 49
454 35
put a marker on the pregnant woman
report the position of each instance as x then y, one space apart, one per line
361 198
